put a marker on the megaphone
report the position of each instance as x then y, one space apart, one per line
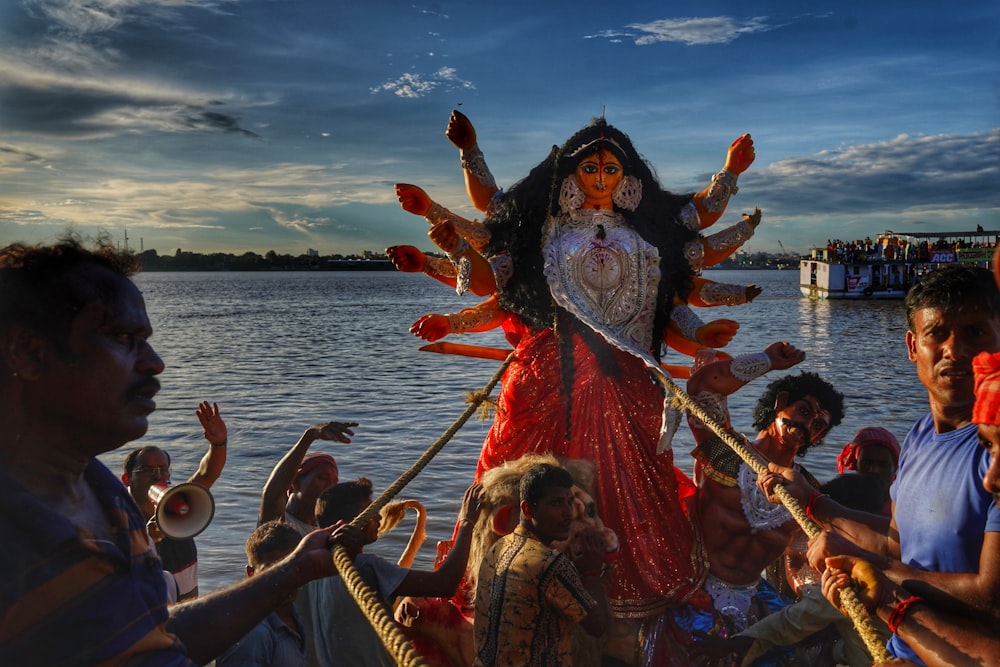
182 511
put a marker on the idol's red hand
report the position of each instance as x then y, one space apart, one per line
460 131
741 155
406 258
412 198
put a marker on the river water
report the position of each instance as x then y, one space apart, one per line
281 351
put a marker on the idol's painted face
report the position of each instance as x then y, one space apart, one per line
598 175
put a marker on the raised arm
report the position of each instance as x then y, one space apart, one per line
727 376
712 201
709 294
723 243
414 200
482 317
275 494
479 182
474 271
217 434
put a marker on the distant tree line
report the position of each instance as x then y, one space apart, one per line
183 260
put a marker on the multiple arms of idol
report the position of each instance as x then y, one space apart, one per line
467 269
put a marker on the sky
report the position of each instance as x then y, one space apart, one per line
256 125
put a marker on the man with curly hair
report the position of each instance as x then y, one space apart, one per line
742 531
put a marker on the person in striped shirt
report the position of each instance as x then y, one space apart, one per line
80 581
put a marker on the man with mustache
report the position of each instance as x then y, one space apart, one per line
943 542
529 594
940 636
80 581
744 533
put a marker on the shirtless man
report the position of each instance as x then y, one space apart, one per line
743 533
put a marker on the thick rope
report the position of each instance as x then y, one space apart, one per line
848 597
368 601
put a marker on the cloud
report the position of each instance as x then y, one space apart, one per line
297 221
690 31
12 155
78 76
906 174
414 86
96 16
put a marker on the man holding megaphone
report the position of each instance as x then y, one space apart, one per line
175 514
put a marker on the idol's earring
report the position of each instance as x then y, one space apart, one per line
628 194
570 195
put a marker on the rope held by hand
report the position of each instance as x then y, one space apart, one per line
848 597
368 601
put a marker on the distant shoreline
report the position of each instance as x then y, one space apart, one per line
361 265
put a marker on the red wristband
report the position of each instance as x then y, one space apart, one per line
899 611
811 503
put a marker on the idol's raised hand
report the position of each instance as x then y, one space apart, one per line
460 131
784 355
741 155
412 198
406 258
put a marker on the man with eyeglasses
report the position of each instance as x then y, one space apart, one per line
147 466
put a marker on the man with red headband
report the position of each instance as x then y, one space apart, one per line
943 541
939 636
290 495
874 451
300 476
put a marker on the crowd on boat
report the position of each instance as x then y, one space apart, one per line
578 542
892 247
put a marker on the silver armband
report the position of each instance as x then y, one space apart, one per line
689 217
437 213
503 269
723 294
715 406
687 321
694 253
731 237
722 188
439 266
467 319
746 367
474 162
460 249
472 231
464 278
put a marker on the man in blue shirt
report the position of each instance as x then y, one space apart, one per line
943 541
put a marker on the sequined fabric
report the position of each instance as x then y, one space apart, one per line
615 422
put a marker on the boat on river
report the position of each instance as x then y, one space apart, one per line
886 267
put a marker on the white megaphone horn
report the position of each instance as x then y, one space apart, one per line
182 511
